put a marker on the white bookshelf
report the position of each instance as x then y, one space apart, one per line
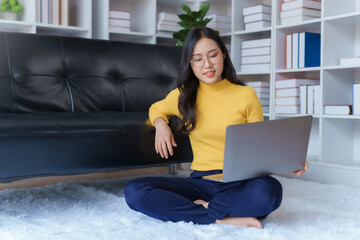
334 149
79 20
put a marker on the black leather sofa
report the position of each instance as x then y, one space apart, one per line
72 105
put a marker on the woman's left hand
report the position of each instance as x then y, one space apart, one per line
298 173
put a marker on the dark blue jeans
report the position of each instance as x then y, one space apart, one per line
171 199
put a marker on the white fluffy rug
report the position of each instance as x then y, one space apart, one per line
97 210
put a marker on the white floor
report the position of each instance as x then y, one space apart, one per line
97 210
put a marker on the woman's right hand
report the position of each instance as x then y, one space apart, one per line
164 138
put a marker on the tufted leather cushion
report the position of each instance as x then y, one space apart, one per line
59 74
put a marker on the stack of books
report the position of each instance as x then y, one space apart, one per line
310 98
297 11
167 22
287 99
262 90
255 55
119 21
221 23
52 12
258 16
302 49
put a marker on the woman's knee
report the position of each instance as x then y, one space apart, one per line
134 190
268 190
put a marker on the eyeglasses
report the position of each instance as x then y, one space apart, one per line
199 61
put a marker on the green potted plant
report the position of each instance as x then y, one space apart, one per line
189 20
11 8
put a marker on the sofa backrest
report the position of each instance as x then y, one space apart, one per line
50 74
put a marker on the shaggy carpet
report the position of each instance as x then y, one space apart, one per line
97 210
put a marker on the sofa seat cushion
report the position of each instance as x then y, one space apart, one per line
67 123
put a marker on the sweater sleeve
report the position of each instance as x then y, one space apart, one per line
165 108
254 111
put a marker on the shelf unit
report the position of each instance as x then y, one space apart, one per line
80 21
334 148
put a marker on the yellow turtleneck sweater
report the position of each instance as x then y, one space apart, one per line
218 106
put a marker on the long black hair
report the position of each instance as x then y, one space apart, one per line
188 83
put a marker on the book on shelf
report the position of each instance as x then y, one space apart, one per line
255 67
288 51
317 104
221 23
294 82
310 99
295 50
350 61
356 98
287 101
258 84
255 51
290 109
168 27
287 92
303 99
296 20
255 59
257 17
167 22
54 12
264 42
338 109
116 14
302 49
119 23
286 6
166 16
301 12
257 25
257 9
309 49
114 29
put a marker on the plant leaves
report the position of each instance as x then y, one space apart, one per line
186 18
187 10
204 8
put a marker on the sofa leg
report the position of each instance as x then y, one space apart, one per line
173 169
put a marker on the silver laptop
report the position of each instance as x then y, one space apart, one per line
265 148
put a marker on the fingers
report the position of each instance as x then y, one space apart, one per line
298 173
173 141
165 147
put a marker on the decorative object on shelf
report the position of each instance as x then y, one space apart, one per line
189 20
11 9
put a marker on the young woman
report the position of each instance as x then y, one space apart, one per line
207 100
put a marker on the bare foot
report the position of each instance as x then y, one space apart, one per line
241 221
202 202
